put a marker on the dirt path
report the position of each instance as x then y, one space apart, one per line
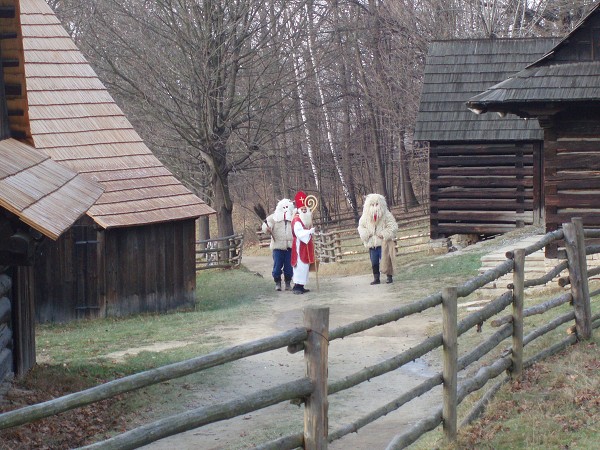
349 298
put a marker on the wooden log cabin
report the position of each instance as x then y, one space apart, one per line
485 171
39 201
134 250
561 92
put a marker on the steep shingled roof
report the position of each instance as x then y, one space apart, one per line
458 69
40 192
569 73
74 120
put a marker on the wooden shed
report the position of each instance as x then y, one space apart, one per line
562 91
39 199
485 171
134 250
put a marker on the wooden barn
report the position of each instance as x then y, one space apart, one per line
562 91
39 199
485 171
134 250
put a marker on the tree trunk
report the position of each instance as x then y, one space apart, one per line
222 197
409 199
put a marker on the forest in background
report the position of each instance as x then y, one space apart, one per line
248 101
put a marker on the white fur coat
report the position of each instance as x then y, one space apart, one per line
377 224
279 225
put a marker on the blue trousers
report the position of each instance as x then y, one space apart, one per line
282 262
375 255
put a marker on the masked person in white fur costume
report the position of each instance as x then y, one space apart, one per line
377 229
303 247
279 226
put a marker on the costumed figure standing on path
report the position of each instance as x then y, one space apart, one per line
303 248
279 226
377 229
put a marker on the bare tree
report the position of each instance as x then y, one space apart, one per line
200 75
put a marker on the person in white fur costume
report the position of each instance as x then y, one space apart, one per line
279 226
377 229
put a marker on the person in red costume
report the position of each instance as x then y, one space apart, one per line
303 247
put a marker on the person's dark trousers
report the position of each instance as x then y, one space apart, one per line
282 263
375 256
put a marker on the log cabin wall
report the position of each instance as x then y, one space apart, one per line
485 168
23 319
118 272
17 324
6 328
572 169
484 189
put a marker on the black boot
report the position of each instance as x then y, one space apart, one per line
299 289
288 284
277 283
376 275
389 279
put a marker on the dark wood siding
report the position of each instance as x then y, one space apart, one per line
23 320
572 179
117 272
153 268
484 189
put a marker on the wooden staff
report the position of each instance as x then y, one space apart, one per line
312 202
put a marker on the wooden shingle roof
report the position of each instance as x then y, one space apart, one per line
568 73
74 120
458 69
42 193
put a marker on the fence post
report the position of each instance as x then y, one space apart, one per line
338 247
517 312
575 246
316 321
450 372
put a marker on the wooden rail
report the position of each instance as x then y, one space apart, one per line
220 253
342 243
314 338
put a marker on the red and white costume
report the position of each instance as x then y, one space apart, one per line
303 248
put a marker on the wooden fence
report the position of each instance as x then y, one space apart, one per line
220 253
313 388
335 244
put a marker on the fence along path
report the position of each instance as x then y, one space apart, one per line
314 339
340 242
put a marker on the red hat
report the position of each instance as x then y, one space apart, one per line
299 199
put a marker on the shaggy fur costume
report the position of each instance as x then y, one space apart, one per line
377 228
279 224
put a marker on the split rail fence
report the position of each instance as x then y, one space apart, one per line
314 338
220 253
342 244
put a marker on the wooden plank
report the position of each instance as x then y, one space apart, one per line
315 355
575 246
517 313
573 161
477 193
481 171
575 200
490 204
465 149
474 216
477 182
484 161
450 356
